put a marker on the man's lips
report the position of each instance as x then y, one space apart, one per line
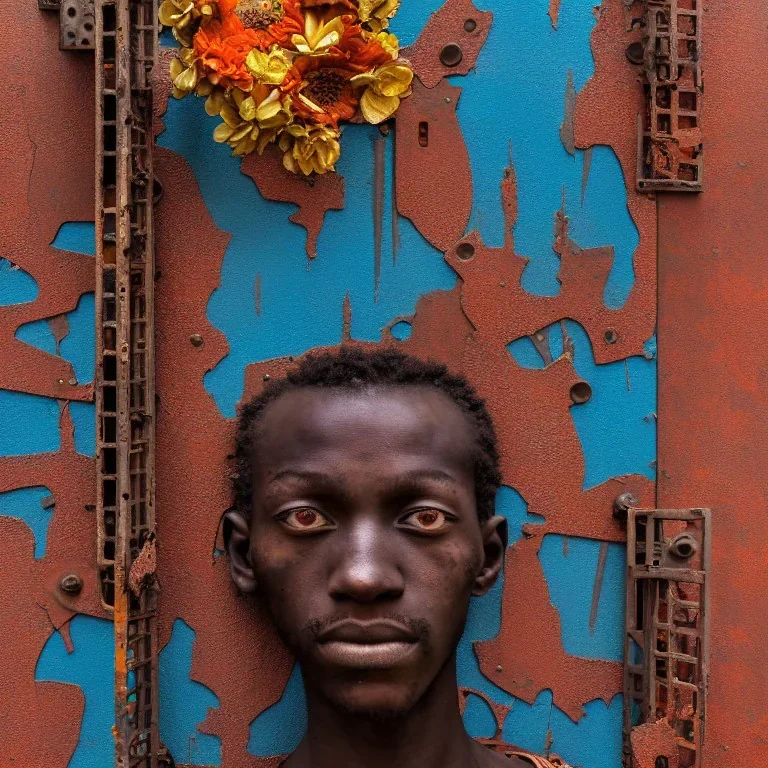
379 644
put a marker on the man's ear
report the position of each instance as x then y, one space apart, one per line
237 538
494 533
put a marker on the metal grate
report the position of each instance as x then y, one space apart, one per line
670 150
666 653
126 38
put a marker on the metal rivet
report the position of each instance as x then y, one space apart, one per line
470 25
73 382
451 55
384 129
61 381
196 340
465 251
267 377
610 336
498 669
72 584
581 392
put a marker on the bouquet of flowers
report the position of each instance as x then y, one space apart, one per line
288 71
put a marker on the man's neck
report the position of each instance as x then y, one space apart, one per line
431 735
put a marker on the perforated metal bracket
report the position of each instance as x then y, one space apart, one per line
76 23
666 641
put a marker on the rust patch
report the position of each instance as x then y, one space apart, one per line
429 137
554 12
315 196
606 114
456 32
143 567
651 741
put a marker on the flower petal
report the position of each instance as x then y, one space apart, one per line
376 109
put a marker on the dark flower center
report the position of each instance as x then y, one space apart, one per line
259 14
325 86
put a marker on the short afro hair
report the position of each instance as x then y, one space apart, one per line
354 367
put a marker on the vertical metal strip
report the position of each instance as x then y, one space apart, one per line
125 54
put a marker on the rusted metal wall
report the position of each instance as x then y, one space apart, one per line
521 255
712 393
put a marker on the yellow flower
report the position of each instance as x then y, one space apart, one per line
319 35
268 68
387 41
185 76
310 149
386 86
251 121
375 14
181 16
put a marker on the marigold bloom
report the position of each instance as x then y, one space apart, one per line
313 149
386 86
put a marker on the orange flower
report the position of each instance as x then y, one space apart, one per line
270 21
222 48
320 89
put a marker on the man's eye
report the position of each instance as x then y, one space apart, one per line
305 519
426 519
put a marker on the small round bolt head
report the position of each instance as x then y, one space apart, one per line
72 584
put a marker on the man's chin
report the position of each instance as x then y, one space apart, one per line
372 700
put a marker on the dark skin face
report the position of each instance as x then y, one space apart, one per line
365 543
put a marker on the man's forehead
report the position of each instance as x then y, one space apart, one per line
395 418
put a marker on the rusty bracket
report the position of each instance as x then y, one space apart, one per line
670 153
666 641
77 26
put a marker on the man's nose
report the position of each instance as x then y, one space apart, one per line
366 570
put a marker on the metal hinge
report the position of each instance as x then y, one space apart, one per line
77 24
666 641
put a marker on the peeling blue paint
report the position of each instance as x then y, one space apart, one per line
25 504
184 703
16 285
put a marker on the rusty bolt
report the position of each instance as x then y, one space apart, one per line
267 377
610 336
61 381
196 340
384 129
73 382
622 504
498 668
470 25
635 52
683 546
451 55
72 584
465 251
581 392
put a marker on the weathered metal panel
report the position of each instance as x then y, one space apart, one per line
712 394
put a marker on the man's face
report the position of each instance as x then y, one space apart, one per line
365 540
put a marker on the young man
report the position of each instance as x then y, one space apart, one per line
364 517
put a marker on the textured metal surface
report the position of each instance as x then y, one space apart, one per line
666 647
713 431
46 116
670 151
125 393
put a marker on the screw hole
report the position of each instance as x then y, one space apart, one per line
470 25
662 762
610 336
423 134
71 11
451 55
581 393
465 251
88 26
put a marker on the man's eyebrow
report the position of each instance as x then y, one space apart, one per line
301 474
436 475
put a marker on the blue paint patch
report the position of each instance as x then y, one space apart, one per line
16 285
184 703
91 667
479 719
301 301
570 574
616 433
21 410
280 729
593 742
25 504
78 347
77 236
402 331
84 419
